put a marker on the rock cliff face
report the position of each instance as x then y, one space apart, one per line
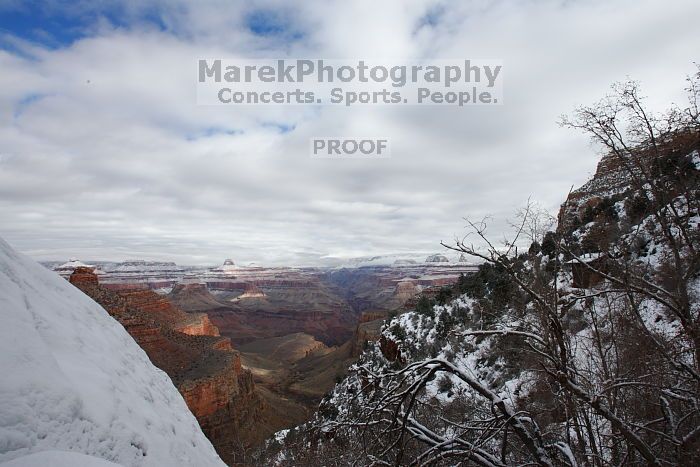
615 176
83 277
157 307
202 364
202 327
224 400
368 330
610 178
390 349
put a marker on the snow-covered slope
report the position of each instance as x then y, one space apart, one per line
58 459
74 380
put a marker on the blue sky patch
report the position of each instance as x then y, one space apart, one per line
432 17
279 127
209 132
59 25
270 23
33 24
25 102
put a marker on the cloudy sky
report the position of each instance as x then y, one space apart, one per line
105 154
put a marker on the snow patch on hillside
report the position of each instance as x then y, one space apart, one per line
74 380
58 459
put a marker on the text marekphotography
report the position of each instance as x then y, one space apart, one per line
462 82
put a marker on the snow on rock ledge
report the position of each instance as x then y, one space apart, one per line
72 379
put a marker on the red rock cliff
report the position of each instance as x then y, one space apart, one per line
203 366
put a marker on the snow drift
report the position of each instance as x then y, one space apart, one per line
72 379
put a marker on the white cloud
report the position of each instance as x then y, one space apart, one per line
105 153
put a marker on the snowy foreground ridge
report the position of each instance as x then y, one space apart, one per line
74 380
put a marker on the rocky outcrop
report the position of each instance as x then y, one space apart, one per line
194 296
404 291
617 175
251 291
208 395
229 267
162 310
202 364
390 349
201 326
368 330
227 408
83 276
67 268
369 316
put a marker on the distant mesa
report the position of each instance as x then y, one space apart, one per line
437 259
71 264
143 266
228 267
67 268
463 258
190 279
405 262
143 262
251 291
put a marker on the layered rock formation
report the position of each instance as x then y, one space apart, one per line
264 304
368 330
229 267
202 365
201 327
194 296
251 291
249 303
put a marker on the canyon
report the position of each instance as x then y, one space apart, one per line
252 349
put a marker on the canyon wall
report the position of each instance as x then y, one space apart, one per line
200 362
